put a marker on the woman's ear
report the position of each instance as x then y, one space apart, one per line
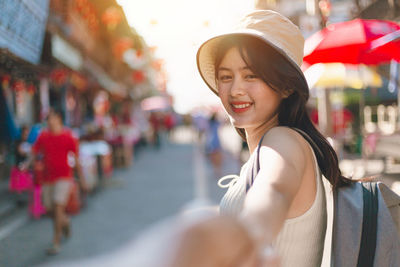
287 92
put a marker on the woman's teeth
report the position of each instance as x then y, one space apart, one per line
241 106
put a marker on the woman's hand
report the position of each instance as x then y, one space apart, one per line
220 241
199 239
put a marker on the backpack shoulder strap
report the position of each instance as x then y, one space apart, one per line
255 168
369 225
313 145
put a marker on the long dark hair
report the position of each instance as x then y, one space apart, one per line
282 76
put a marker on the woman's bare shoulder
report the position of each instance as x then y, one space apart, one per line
282 135
287 142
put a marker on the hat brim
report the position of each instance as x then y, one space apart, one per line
207 51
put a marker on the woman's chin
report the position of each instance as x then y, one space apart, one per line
241 121
238 124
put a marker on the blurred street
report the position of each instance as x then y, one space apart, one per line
159 184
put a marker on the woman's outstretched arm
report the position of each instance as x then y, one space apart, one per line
282 165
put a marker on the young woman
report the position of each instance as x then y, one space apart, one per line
255 71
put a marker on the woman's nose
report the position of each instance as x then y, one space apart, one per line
237 87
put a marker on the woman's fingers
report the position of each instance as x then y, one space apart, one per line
218 241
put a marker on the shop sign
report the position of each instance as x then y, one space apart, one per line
65 53
22 27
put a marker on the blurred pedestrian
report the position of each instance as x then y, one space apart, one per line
115 138
23 149
128 135
169 123
57 144
213 146
155 123
21 178
200 123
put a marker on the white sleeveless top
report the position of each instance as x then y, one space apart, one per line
301 239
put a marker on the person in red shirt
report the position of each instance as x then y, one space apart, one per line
57 145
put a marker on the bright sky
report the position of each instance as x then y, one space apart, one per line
177 28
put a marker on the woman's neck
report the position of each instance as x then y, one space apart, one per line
254 135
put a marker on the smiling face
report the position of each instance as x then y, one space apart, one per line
247 99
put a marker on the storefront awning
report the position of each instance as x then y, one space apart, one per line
66 53
104 80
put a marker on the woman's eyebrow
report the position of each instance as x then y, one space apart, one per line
225 68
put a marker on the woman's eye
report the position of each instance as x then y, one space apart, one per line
225 77
251 76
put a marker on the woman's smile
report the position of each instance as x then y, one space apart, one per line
240 107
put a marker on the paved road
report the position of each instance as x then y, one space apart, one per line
159 184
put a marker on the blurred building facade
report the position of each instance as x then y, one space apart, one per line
378 9
80 56
311 15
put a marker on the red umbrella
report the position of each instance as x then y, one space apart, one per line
349 42
387 45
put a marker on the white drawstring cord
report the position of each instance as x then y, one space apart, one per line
234 178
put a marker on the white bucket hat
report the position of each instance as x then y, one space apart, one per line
269 26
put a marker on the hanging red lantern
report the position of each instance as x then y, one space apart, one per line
31 89
157 64
88 12
139 54
121 45
138 76
59 76
5 81
19 86
111 17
